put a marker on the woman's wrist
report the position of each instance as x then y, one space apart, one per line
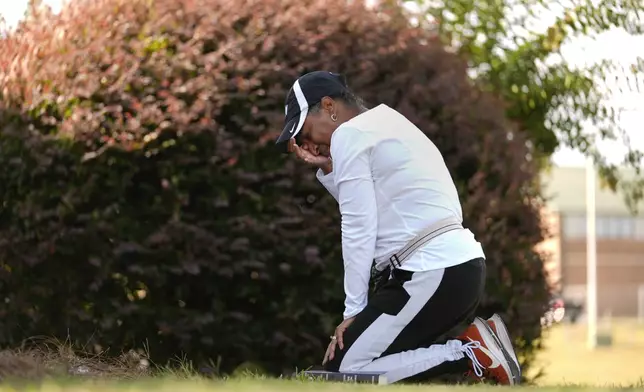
326 168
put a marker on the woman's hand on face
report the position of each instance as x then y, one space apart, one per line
307 156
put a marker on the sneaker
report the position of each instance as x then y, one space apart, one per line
500 330
487 356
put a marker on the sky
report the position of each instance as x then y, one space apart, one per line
616 45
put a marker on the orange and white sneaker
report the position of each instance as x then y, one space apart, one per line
487 356
501 331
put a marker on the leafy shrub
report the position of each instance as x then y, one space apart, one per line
144 203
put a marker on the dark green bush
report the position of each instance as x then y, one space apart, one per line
143 201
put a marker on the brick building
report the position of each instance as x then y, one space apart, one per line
620 244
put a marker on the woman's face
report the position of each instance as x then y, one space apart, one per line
318 128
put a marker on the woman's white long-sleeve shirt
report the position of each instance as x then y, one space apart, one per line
391 182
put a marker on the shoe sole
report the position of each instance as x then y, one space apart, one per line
504 338
513 371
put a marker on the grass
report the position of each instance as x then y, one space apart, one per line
567 359
569 366
254 385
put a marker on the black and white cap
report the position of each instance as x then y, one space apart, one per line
308 90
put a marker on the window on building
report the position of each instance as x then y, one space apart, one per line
622 227
574 226
601 225
615 227
639 228
607 226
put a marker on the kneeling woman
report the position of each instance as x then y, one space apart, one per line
399 207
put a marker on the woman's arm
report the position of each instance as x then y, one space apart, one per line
357 200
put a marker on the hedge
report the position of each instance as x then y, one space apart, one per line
144 204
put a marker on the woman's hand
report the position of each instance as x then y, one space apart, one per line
337 340
307 156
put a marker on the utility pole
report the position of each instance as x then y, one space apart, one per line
591 254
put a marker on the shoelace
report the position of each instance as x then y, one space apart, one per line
468 349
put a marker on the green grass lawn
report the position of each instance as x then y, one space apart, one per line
568 366
255 386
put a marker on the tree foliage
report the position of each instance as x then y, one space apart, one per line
513 55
